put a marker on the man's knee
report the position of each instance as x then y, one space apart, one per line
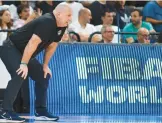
43 82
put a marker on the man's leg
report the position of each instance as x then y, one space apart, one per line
25 96
11 57
41 85
17 105
21 104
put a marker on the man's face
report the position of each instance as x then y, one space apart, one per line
108 34
108 18
25 14
144 37
135 18
65 17
87 16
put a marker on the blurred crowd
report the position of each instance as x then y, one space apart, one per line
117 21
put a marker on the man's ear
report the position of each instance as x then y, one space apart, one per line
102 18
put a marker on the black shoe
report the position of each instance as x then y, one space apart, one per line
10 116
43 115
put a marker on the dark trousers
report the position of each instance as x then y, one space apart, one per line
11 57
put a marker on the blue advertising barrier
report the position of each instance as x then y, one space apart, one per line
105 79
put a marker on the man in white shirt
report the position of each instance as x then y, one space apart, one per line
82 26
107 18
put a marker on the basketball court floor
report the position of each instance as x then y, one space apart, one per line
104 119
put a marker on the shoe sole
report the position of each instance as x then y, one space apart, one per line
43 118
10 121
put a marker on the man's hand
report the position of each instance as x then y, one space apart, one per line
84 37
65 37
147 41
46 71
130 40
23 70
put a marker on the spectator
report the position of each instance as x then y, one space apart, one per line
97 8
136 18
122 14
143 36
82 26
23 13
13 8
107 34
24 16
152 13
107 19
26 3
5 23
76 7
47 6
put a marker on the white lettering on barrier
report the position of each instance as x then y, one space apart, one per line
98 96
121 68
119 94
126 68
153 68
116 94
82 68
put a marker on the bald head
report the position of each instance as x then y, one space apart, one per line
63 14
85 15
142 30
84 11
143 35
63 7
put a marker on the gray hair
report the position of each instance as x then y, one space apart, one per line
141 30
104 27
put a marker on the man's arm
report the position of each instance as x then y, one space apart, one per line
48 54
84 37
28 52
30 48
129 40
153 21
49 51
96 38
